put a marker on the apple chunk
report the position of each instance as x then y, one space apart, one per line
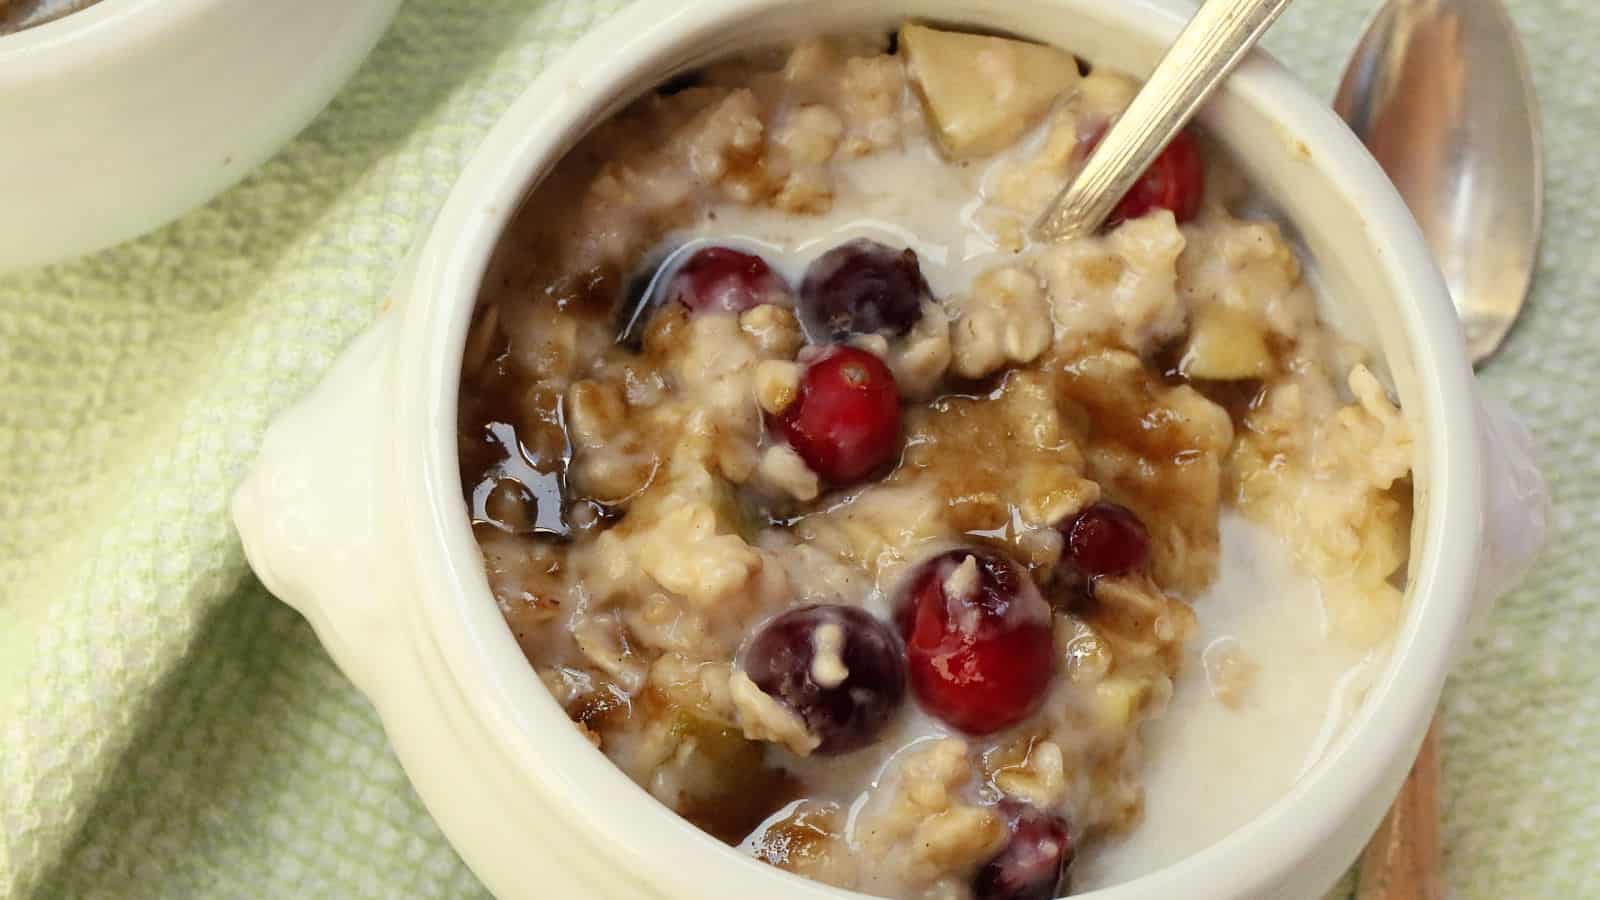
1225 345
983 92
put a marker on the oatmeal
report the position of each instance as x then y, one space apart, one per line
876 540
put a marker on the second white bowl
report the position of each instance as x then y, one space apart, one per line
121 117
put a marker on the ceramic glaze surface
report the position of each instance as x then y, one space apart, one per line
140 101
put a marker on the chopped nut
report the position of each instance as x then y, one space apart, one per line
811 134
876 344
775 329
777 385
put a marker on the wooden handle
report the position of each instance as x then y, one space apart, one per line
1402 861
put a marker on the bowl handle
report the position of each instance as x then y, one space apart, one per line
317 527
1516 506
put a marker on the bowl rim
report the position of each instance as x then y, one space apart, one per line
654 844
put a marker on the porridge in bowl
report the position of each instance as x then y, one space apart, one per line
894 549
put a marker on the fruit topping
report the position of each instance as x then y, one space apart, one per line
1106 539
861 287
1175 181
1033 863
978 639
845 418
722 279
839 668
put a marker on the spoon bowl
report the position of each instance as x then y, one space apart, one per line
1441 93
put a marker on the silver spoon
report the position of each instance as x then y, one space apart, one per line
1440 92
1207 49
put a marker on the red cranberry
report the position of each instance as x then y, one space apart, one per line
1106 539
1033 863
848 695
977 639
861 287
722 279
1175 181
845 423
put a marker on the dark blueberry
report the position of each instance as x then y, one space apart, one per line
838 667
861 287
1033 863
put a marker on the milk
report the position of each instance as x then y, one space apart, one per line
1209 766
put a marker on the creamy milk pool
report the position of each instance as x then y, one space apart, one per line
1210 766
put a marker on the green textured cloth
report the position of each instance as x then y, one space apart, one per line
167 729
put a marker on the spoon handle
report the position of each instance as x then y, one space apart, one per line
1213 42
1402 861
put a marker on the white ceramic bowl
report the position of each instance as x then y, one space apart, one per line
123 116
354 512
